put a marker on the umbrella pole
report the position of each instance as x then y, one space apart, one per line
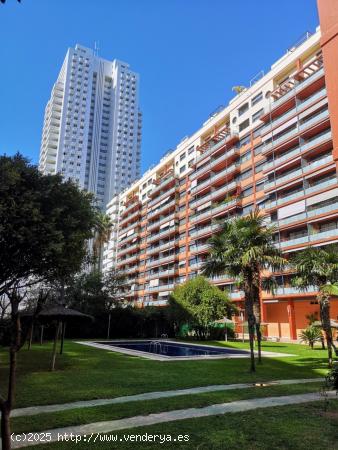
41 335
57 332
63 328
30 336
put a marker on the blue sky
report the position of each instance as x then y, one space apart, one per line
189 54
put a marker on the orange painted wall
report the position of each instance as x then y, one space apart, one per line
328 17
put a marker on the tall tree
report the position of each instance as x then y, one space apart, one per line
102 231
243 248
44 227
319 267
199 303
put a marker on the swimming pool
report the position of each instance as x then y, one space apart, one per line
166 350
173 349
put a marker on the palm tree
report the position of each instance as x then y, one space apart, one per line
311 335
243 248
103 227
318 267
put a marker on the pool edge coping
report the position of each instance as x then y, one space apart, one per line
156 357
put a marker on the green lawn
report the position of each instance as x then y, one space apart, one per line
298 427
86 373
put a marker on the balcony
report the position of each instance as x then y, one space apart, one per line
128 260
302 192
318 140
320 162
236 295
157 236
170 204
154 225
161 197
161 247
314 120
214 194
324 235
161 260
296 89
130 248
215 177
205 230
292 242
289 290
232 136
276 162
297 109
199 248
207 167
161 287
282 139
283 179
162 183
133 216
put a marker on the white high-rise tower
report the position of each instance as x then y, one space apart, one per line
92 124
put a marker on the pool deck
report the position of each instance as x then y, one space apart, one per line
156 357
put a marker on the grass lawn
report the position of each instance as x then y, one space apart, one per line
297 427
80 416
85 373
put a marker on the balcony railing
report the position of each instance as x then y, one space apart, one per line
162 208
310 122
303 192
216 146
157 236
214 177
161 197
213 163
319 139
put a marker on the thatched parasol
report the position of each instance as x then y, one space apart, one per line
61 315
225 320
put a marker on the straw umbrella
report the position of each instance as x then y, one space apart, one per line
225 320
61 315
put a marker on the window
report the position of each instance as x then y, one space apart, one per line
257 98
190 150
182 169
243 109
244 125
257 115
182 156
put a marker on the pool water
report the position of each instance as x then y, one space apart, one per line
173 349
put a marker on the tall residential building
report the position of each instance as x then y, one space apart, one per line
275 147
92 124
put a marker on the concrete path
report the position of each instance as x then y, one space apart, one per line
33 410
90 431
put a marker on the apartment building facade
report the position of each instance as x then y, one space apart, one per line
92 124
274 147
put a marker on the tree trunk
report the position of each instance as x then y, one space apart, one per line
31 331
249 305
108 329
63 331
57 332
41 335
257 313
5 429
324 305
257 309
7 405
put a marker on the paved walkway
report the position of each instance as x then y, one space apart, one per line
138 421
33 410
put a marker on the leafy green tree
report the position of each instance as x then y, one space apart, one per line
319 267
243 248
199 303
45 224
311 335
